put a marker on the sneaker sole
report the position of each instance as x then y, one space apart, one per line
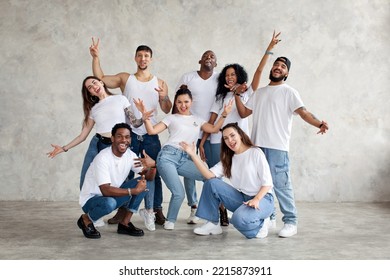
210 233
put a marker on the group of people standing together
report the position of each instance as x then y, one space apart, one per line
208 141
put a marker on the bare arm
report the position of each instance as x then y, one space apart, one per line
205 135
202 167
311 119
213 128
79 139
242 110
257 76
111 81
254 202
108 190
163 98
152 130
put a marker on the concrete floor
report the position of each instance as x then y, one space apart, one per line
327 231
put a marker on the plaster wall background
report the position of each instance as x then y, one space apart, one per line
340 65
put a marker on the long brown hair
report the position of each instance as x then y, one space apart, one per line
89 100
227 154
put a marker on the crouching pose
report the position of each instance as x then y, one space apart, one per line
249 196
105 189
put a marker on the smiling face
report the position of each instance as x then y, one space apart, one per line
279 72
143 59
120 141
231 77
183 104
94 87
232 139
208 60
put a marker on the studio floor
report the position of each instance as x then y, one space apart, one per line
326 231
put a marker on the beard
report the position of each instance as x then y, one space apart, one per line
275 79
142 68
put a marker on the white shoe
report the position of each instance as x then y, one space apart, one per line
208 228
263 232
192 219
272 224
148 218
169 225
288 230
99 223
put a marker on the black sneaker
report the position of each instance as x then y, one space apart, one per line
130 229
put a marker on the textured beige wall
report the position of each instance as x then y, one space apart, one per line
340 66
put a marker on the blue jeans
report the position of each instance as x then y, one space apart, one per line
279 164
215 154
99 206
172 163
189 184
152 146
245 219
95 146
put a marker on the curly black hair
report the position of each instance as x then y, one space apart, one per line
242 77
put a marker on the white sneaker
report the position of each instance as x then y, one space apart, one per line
208 228
192 219
272 224
288 230
99 223
263 232
169 225
148 218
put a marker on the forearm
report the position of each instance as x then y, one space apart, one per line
165 105
96 69
242 110
262 192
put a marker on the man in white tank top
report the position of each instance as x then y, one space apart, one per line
154 92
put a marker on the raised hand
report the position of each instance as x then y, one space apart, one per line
188 148
94 48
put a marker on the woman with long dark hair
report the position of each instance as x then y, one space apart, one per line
248 195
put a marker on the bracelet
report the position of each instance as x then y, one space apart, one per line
65 150
129 190
237 94
268 52
223 116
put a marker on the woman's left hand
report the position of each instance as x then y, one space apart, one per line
254 203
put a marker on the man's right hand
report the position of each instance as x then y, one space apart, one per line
141 186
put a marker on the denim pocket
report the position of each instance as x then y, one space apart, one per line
281 179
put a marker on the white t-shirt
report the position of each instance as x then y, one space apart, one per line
273 108
182 128
203 93
135 89
107 168
108 112
250 171
233 116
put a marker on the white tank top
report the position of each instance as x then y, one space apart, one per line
135 89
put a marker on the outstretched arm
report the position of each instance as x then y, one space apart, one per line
80 138
190 149
311 119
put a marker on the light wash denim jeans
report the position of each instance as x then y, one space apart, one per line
99 206
189 184
279 164
95 146
215 154
172 163
152 146
245 219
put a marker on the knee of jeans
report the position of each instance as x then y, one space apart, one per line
111 204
